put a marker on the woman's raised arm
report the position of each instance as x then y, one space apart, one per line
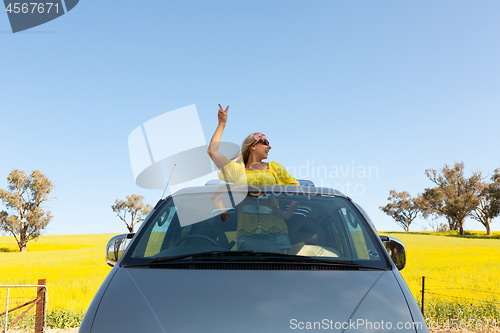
213 148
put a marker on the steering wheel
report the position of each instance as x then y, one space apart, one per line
206 238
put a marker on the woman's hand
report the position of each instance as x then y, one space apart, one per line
222 114
213 147
281 215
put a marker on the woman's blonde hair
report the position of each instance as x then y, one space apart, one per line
244 153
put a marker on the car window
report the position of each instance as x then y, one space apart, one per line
356 233
326 227
157 235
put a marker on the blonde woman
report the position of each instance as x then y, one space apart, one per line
250 169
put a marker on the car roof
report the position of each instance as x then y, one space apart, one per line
256 189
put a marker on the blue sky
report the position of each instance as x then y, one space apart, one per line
394 86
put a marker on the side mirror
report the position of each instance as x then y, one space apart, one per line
396 251
116 246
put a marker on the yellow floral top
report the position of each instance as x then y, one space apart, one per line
235 172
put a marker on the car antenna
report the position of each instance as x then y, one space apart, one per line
168 181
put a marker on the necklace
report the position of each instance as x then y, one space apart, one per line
250 166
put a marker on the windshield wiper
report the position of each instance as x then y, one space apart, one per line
164 260
252 256
280 257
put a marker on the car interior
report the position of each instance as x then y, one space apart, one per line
324 227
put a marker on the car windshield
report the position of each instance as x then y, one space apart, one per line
283 226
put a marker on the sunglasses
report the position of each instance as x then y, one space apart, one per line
264 142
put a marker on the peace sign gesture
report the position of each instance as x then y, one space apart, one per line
222 114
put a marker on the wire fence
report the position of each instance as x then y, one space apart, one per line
23 306
433 287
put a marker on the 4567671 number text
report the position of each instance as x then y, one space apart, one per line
32 7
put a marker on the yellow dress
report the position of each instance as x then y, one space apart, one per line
235 172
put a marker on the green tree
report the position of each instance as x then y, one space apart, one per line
488 207
3 217
454 197
23 197
135 206
403 208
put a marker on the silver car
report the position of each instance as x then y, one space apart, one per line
256 259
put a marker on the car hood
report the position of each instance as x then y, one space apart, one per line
175 300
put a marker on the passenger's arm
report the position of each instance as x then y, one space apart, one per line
289 212
217 200
291 209
213 148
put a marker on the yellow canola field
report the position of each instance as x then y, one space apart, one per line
74 266
456 269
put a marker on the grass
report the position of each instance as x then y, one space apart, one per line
466 270
456 233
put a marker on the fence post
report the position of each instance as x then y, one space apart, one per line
40 307
423 292
7 310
